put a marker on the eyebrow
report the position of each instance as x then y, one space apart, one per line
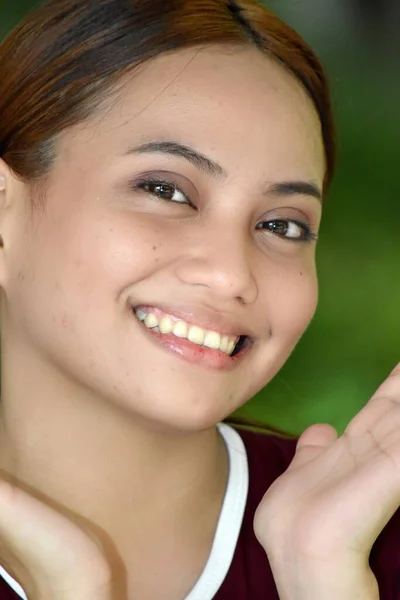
294 188
202 162
175 149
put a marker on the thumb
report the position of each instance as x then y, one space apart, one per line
313 442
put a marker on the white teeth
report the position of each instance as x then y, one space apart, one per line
166 325
224 344
180 329
195 334
231 346
212 339
151 321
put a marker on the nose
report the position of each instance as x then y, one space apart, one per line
222 262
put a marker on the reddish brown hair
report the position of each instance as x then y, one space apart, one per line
58 65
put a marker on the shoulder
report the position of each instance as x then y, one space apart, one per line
268 457
278 448
250 576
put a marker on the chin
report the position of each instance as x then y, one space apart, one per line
191 421
183 416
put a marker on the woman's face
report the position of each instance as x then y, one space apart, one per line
191 199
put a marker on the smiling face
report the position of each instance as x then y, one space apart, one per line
191 199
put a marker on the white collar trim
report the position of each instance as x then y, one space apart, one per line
230 520
228 528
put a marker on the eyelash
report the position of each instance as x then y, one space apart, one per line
306 236
146 183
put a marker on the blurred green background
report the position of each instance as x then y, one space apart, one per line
354 340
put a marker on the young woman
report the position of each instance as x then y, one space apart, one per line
162 171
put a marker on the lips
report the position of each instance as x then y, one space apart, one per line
188 339
168 323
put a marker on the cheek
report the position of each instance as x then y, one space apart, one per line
122 254
295 302
106 252
66 286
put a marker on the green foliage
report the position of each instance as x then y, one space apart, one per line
12 12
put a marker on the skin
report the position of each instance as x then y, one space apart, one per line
320 518
105 425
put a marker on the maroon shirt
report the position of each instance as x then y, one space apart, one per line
250 576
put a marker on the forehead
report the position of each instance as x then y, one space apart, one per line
235 104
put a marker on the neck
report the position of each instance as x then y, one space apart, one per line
121 476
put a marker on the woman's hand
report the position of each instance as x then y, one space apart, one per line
319 519
49 555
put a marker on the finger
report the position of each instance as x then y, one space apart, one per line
51 548
313 442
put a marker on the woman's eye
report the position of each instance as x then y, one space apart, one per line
288 229
165 191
